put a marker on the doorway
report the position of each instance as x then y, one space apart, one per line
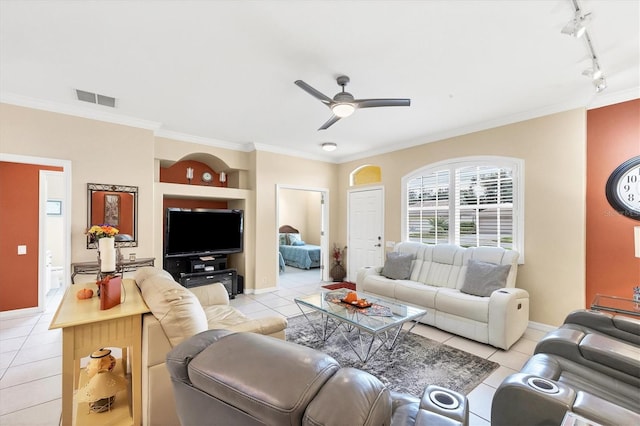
365 229
43 168
305 209
52 196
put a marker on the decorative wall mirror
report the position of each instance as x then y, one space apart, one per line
116 205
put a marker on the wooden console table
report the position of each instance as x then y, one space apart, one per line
85 328
121 266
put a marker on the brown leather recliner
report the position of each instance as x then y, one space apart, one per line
225 378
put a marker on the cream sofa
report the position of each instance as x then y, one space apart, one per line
178 313
439 281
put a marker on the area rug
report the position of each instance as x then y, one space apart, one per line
415 363
343 284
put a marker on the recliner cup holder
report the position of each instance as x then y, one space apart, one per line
543 385
444 400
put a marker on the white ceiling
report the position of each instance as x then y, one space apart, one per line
223 72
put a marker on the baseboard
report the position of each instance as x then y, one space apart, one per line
17 313
260 290
541 327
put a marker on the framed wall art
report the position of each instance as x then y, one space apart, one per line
112 209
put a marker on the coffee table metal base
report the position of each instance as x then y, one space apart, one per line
364 347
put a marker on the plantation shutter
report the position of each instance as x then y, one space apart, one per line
484 207
480 211
428 208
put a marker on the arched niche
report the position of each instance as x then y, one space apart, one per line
366 174
201 166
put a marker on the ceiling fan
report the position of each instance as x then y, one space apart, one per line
343 103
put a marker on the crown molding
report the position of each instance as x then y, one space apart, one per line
201 140
85 112
77 111
593 101
293 153
605 99
590 102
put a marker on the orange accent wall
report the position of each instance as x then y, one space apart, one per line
19 210
613 136
178 174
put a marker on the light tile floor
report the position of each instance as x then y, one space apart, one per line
30 354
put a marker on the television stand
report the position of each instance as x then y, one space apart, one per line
228 278
180 265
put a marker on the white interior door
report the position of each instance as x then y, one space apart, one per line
366 225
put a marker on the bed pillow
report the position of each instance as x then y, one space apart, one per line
283 239
397 266
483 278
293 238
298 243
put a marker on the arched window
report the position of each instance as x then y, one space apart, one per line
471 201
366 175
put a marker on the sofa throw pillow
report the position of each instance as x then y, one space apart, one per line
397 266
293 238
483 278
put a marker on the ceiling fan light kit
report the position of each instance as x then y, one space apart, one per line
343 110
343 103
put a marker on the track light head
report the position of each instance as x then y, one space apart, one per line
577 26
594 72
600 84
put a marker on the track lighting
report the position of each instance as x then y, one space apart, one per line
577 26
329 146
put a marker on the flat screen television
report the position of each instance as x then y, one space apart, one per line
203 232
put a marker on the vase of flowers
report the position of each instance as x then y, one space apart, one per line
105 237
337 271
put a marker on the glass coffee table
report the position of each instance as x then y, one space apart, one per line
361 328
615 304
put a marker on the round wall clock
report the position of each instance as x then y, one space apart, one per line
207 177
623 188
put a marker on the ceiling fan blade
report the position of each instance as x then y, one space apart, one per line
313 92
372 103
329 123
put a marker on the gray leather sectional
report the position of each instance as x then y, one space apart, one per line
225 378
589 366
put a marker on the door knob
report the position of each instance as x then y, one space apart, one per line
378 245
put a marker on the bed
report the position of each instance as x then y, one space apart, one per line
295 251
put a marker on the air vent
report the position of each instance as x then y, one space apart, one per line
96 98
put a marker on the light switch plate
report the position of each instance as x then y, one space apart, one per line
22 249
